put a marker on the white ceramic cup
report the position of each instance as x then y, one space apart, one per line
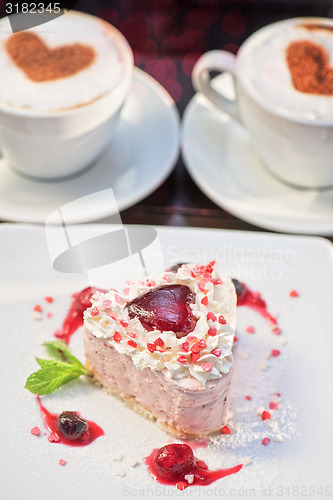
56 144
292 131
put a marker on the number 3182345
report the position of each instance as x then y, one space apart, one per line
33 8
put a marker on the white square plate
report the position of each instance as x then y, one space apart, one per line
300 465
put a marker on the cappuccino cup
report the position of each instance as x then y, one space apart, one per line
62 88
283 82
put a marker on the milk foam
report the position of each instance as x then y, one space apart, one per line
263 69
103 75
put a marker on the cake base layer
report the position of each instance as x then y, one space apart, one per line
182 407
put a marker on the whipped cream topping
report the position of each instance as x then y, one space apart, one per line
204 353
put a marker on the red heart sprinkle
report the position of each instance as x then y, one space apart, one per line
266 415
185 346
212 331
222 320
204 301
182 359
195 356
151 347
211 316
159 342
225 430
94 311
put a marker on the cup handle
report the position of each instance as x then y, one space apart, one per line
215 60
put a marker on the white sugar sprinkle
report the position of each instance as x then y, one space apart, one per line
244 355
37 315
271 391
245 460
266 355
132 462
272 424
263 366
189 478
277 438
282 340
120 472
118 458
260 410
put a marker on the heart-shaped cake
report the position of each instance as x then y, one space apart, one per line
310 68
42 64
165 345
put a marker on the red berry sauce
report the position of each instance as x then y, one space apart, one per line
91 432
253 300
171 463
74 317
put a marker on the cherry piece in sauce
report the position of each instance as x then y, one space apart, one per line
70 433
71 425
166 308
175 463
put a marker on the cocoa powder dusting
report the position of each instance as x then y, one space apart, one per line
309 67
41 64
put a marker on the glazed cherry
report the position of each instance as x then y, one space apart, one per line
174 461
71 425
166 308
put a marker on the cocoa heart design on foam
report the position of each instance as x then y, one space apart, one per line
41 64
309 68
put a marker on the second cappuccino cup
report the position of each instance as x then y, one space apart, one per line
284 96
63 85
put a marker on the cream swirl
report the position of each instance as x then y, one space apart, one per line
204 353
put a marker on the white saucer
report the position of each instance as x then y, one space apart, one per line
219 156
139 158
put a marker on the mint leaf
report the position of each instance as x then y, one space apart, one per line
51 377
59 350
54 373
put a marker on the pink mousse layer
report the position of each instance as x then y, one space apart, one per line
184 405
